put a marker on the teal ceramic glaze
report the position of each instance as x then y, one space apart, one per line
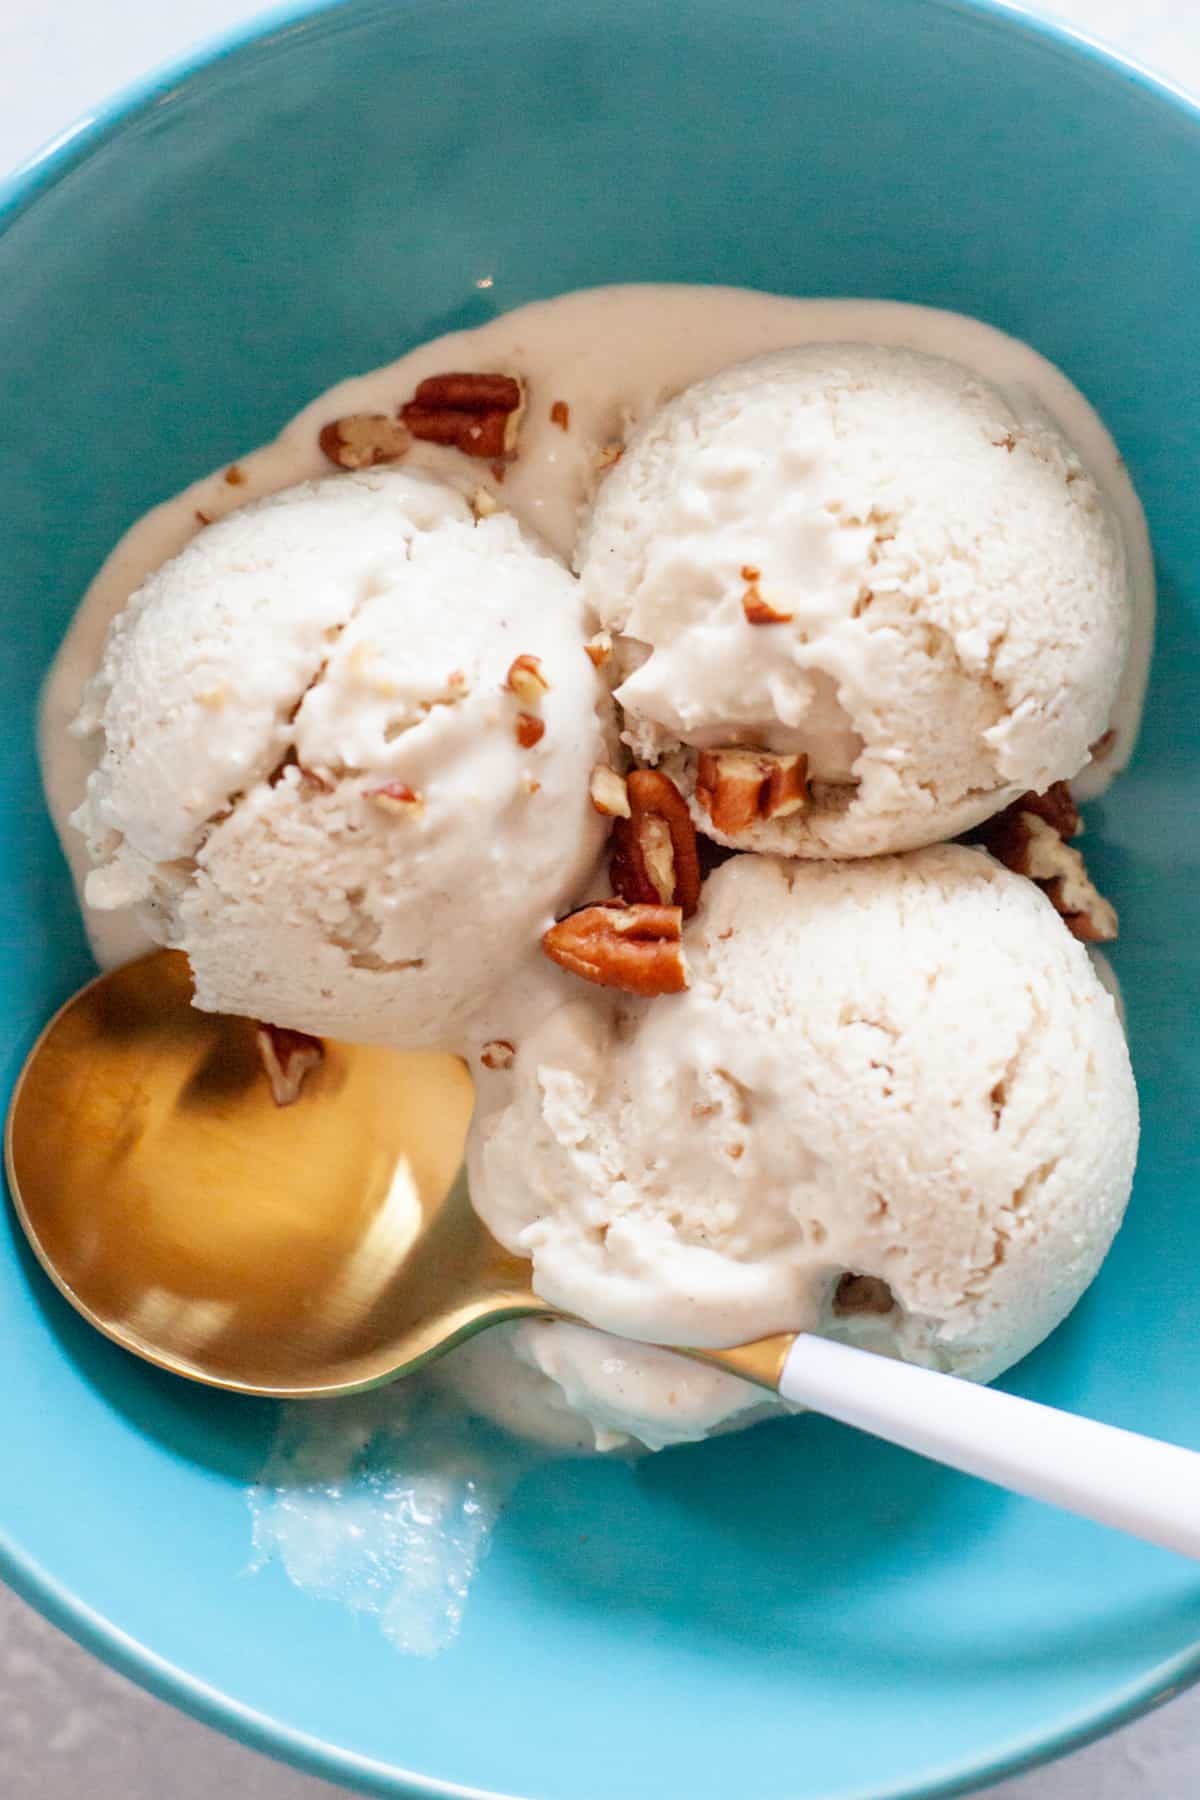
803 1615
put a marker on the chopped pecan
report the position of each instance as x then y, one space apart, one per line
398 798
287 1057
757 610
498 1054
234 476
1025 841
609 792
361 440
862 1294
1057 806
477 413
740 788
654 857
530 730
527 679
599 648
635 948
560 415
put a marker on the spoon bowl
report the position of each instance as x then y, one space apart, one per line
295 1251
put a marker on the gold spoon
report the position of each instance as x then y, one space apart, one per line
330 1246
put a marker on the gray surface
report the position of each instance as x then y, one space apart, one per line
68 1726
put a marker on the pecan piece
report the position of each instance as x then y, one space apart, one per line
1025 841
530 730
635 948
287 1057
609 792
477 413
1057 806
397 798
757 610
361 440
739 788
654 857
527 679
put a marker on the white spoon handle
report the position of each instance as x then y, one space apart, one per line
1136 1484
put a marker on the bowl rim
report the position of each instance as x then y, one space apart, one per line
38 174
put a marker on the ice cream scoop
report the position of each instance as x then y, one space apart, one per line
894 1104
873 560
316 1249
345 743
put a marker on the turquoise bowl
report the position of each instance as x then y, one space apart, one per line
803 1614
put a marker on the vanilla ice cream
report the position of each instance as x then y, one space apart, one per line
894 1104
872 557
345 738
578 1389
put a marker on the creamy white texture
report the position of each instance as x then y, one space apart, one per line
613 355
260 700
573 1388
870 556
902 1068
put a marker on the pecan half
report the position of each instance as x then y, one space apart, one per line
740 788
397 798
1025 841
609 792
757 610
287 1057
654 859
635 948
361 440
477 413
527 679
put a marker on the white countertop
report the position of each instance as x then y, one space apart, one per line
69 1728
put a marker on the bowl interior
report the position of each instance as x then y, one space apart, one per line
803 1613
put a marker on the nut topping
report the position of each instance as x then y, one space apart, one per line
530 730
599 648
740 788
654 854
477 413
397 798
287 1057
1057 807
608 792
757 610
498 1054
635 948
560 415
1029 837
527 679
361 440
